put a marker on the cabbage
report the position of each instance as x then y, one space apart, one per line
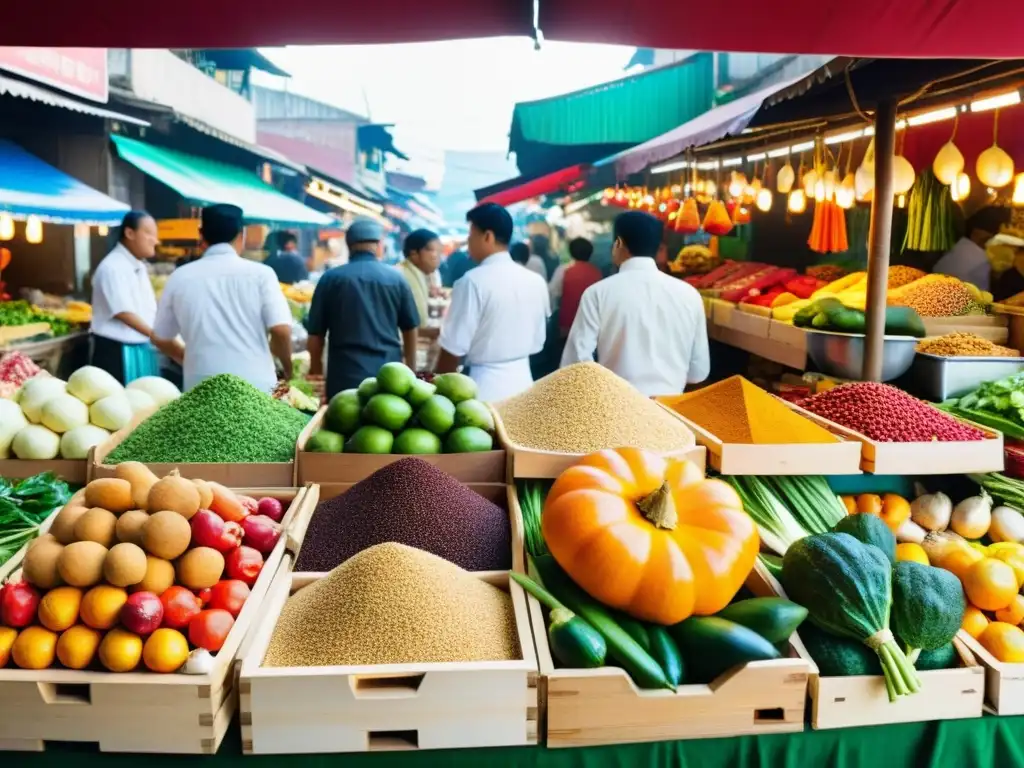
75 443
113 412
158 388
140 400
90 384
12 420
36 393
64 412
35 443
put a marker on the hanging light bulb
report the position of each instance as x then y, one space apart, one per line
1018 190
764 199
33 230
901 201
737 185
797 201
829 183
960 189
808 182
102 230
6 227
819 191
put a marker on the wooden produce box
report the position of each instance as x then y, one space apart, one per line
1004 683
264 475
858 700
286 710
933 458
732 316
74 471
591 707
483 467
137 711
839 458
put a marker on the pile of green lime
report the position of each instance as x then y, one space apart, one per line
395 412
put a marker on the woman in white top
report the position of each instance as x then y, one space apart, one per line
124 305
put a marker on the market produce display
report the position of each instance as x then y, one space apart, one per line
964 344
997 404
24 505
938 296
887 414
49 417
585 407
15 313
393 604
694 260
737 411
830 314
136 570
396 412
414 503
223 420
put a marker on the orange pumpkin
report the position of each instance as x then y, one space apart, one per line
649 535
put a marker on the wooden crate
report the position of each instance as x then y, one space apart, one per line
483 467
136 711
74 471
846 702
590 707
725 314
1004 683
263 475
934 458
287 710
841 457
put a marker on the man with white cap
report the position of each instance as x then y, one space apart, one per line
359 308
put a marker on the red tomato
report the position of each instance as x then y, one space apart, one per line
229 595
244 563
180 607
204 596
210 628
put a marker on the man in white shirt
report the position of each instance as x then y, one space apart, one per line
224 306
498 313
647 327
124 305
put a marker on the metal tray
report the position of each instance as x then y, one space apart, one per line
938 378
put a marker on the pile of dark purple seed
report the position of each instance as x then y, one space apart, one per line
414 503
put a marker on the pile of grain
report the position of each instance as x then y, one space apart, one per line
961 344
223 420
393 604
410 502
584 408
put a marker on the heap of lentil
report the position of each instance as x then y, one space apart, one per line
411 502
961 344
393 604
584 408
887 414
223 420
942 296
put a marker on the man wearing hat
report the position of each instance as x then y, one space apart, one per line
224 307
360 307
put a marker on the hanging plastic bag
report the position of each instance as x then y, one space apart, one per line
688 220
716 220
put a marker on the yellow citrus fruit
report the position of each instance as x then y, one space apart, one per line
59 607
165 650
34 648
958 560
1013 613
1012 558
102 605
1004 641
77 646
999 546
974 622
120 650
990 584
850 503
7 637
912 552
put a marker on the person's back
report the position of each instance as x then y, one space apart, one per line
288 266
574 280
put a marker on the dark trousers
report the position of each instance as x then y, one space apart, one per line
109 355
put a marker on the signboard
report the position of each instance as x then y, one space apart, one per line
81 71
169 230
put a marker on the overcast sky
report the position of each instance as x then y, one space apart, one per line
444 95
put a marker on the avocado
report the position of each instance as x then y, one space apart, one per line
395 378
468 440
416 440
325 441
370 440
437 414
387 411
473 413
455 386
343 412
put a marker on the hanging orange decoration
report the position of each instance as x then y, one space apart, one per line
688 219
716 219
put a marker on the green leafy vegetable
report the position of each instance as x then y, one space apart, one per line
24 506
531 501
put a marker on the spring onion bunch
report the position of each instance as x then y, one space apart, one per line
775 523
532 494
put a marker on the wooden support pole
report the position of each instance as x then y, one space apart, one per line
879 236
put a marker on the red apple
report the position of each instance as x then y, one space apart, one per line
142 613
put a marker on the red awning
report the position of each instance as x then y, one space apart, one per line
558 181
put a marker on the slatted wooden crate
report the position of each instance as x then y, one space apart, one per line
1004 683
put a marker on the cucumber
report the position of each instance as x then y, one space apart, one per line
712 645
622 648
773 618
636 629
665 651
573 641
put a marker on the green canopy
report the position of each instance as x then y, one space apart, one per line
206 182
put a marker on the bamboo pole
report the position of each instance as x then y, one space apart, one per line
879 236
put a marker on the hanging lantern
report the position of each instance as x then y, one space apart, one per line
948 163
6 227
1018 190
864 182
960 189
846 193
995 167
785 179
797 201
737 185
764 199
902 175
829 184
33 230
809 180
819 191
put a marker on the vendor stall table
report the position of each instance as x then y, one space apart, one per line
984 742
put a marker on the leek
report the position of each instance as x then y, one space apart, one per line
532 494
775 523
813 503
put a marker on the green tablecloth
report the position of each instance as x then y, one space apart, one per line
979 743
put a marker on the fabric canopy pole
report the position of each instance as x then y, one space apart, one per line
879 237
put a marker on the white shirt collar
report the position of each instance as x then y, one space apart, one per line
135 264
221 249
639 264
496 258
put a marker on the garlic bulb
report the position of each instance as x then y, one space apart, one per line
910 531
948 163
785 179
199 662
994 167
932 511
972 517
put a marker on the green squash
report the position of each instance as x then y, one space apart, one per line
838 656
945 657
870 530
928 606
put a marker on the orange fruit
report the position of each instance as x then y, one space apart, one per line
960 560
165 650
59 607
102 605
913 552
120 650
974 622
990 584
850 503
1013 613
7 637
77 646
869 504
1004 641
1013 559
34 648
895 511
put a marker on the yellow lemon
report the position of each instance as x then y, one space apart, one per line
912 552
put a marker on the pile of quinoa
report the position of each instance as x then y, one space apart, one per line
223 420
411 502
